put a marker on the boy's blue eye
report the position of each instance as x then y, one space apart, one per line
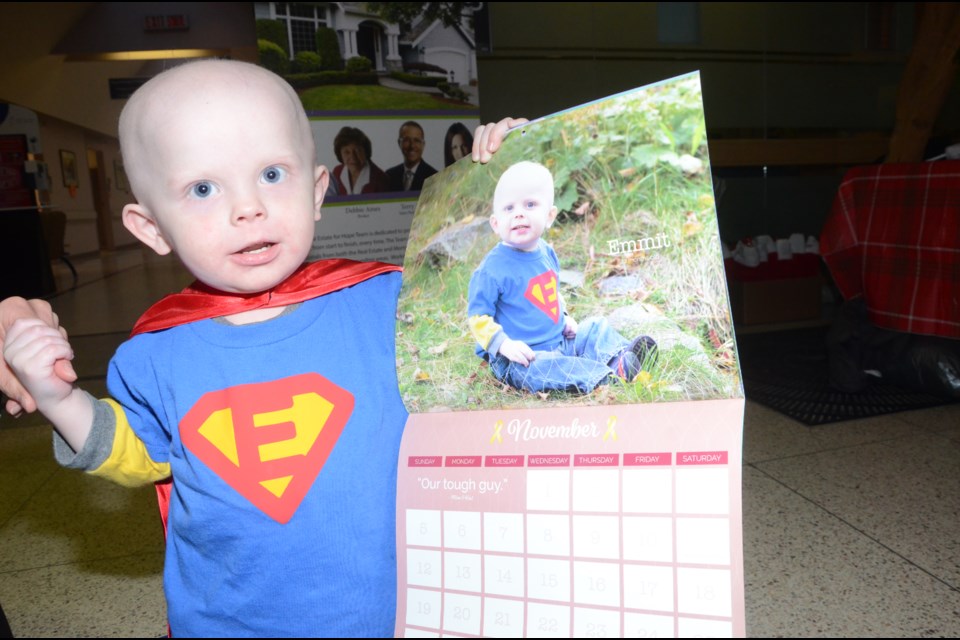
202 190
530 204
272 175
508 208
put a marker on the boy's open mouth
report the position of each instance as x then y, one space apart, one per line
257 248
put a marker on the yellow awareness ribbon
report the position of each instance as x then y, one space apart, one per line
496 437
611 432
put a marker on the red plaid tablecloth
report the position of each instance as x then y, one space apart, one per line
894 238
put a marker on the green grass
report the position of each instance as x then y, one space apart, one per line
373 97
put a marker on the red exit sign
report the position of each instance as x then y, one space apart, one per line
176 22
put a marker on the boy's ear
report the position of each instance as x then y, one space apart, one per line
321 182
494 223
552 215
139 222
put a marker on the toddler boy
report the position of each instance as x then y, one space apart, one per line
282 514
516 313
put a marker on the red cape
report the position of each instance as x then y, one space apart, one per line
312 280
200 302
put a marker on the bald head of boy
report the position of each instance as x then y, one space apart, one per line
222 163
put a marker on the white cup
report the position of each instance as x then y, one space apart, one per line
765 242
784 251
798 243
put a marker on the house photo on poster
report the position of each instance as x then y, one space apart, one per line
581 266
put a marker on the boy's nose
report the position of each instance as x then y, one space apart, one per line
248 209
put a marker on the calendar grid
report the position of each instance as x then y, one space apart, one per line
621 533
582 591
570 534
483 576
673 533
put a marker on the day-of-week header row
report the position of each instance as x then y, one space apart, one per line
577 460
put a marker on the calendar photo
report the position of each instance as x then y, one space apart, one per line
581 266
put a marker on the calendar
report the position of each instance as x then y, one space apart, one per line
614 525
587 508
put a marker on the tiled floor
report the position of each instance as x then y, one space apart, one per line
850 529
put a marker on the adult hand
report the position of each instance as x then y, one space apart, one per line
32 349
487 138
517 351
11 310
569 327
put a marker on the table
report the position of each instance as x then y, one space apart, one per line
893 237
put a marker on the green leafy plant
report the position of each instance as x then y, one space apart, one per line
453 92
274 31
305 62
328 46
404 13
273 57
359 64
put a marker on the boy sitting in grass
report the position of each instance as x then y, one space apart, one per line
515 310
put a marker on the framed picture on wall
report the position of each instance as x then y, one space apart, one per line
120 176
68 165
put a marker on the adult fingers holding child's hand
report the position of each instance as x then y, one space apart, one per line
12 309
32 348
487 138
63 368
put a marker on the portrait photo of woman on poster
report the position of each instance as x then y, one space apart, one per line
356 172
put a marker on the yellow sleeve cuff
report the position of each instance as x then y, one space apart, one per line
129 464
483 329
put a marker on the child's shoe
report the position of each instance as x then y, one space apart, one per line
631 361
625 365
645 348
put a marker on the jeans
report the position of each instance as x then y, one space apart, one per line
576 365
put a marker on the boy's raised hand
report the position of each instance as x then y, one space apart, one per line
487 137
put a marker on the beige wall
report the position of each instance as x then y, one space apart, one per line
47 84
42 46
81 228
